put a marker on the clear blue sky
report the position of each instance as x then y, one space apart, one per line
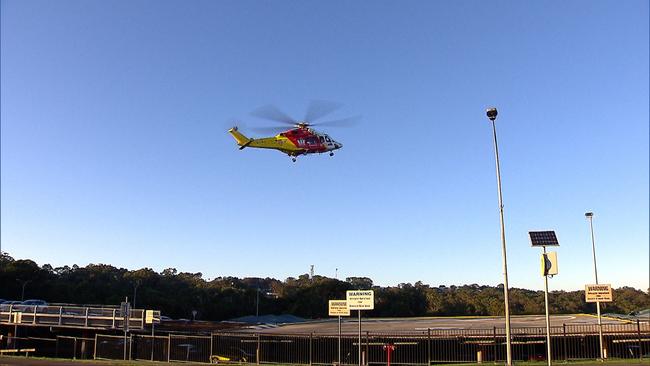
115 150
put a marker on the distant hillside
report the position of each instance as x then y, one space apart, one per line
178 294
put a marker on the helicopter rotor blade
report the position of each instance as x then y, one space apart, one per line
345 122
273 130
272 113
320 108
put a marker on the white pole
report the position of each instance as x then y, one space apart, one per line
590 215
125 324
503 249
339 348
153 337
548 319
359 311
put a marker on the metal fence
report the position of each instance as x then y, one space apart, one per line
60 347
569 342
70 316
172 347
431 346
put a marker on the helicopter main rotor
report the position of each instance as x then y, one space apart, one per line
316 109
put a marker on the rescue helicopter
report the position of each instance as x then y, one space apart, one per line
299 140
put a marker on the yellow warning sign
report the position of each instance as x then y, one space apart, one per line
598 293
338 308
360 299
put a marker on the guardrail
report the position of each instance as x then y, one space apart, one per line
71 316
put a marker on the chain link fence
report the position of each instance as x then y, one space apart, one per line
59 347
568 342
427 347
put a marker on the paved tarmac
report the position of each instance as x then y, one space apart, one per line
396 325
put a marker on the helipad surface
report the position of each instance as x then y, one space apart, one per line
378 325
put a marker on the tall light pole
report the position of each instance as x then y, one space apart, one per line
492 115
136 284
257 304
590 216
23 283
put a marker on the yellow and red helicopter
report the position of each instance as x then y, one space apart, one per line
299 140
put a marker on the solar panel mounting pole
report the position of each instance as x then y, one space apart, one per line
549 268
548 319
492 115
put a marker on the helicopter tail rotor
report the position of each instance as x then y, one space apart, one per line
242 140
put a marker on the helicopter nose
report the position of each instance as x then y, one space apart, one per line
338 145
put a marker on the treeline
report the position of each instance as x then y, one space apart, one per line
178 294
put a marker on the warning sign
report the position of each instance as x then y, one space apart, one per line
360 299
338 308
598 293
152 316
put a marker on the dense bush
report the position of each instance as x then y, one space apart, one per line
177 294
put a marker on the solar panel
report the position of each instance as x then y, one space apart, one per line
543 238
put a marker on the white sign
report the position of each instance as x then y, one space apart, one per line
338 308
152 316
598 293
360 299
18 317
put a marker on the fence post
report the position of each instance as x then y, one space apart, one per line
74 350
60 315
428 346
211 342
95 348
259 352
311 340
566 357
494 331
638 332
169 346
367 348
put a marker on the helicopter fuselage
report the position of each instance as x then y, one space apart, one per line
294 142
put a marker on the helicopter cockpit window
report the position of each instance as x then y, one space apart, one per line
327 138
322 140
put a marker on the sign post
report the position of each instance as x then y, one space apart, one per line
339 308
125 308
360 300
152 317
599 293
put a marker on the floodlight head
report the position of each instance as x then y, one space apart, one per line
492 113
589 215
